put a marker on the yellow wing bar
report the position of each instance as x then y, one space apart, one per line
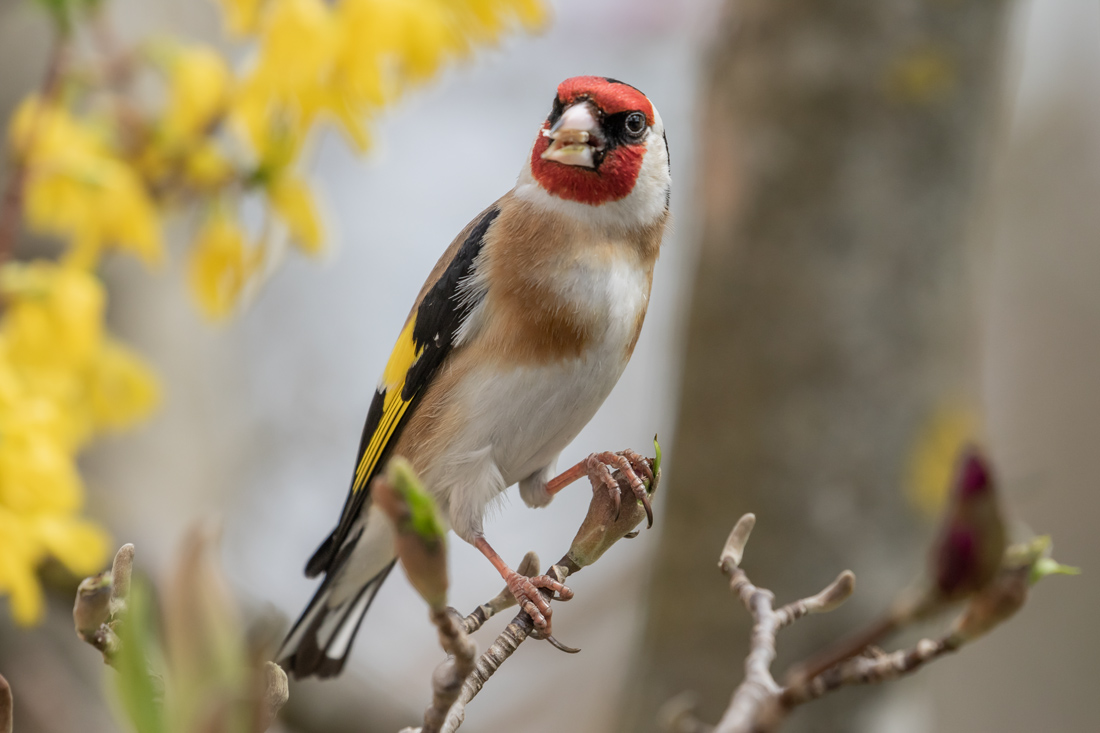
402 358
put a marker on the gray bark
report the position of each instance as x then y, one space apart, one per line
832 314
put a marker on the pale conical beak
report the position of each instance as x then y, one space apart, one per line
575 137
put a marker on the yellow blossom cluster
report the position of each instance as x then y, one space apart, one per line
101 163
106 165
62 379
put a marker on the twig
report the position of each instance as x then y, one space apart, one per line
847 648
759 691
504 646
11 206
760 705
966 556
870 670
448 679
276 693
759 686
605 523
447 670
101 602
503 600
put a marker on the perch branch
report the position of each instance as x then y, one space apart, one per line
504 646
606 522
503 600
448 678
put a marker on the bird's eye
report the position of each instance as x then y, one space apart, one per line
635 123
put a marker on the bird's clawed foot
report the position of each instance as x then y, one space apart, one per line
630 464
532 601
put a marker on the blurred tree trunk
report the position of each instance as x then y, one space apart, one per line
832 320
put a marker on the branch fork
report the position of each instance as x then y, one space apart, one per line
760 704
461 676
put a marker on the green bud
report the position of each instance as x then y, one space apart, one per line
420 543
423 514
656 460
139 692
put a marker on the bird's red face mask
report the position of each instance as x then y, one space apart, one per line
592 145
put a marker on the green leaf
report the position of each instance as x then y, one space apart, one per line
139 692
1045 566
65 13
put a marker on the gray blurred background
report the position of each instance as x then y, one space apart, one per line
262 415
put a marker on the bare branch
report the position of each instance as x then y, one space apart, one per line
121 570
198 639
827 600
760 705
275 695
870 670
486 666
759 693
504 600
11 202
759 687
101 601
448 679
735 545
605 524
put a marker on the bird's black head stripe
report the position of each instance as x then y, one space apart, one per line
609 80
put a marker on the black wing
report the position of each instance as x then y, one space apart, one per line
427 339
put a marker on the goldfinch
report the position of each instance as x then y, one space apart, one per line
517 337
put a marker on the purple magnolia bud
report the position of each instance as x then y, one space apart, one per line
973 476
971 543
958 560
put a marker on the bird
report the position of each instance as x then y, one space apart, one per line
517 336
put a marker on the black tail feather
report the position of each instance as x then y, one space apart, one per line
322 557
320 641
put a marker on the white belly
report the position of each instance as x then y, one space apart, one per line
518 419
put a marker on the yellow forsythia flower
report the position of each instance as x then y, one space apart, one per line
199 89
37 476
61 379
296 45
286 87
123 390
205 167
17 566
79 545
221 264
293 202
54 315
76 188
242 17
